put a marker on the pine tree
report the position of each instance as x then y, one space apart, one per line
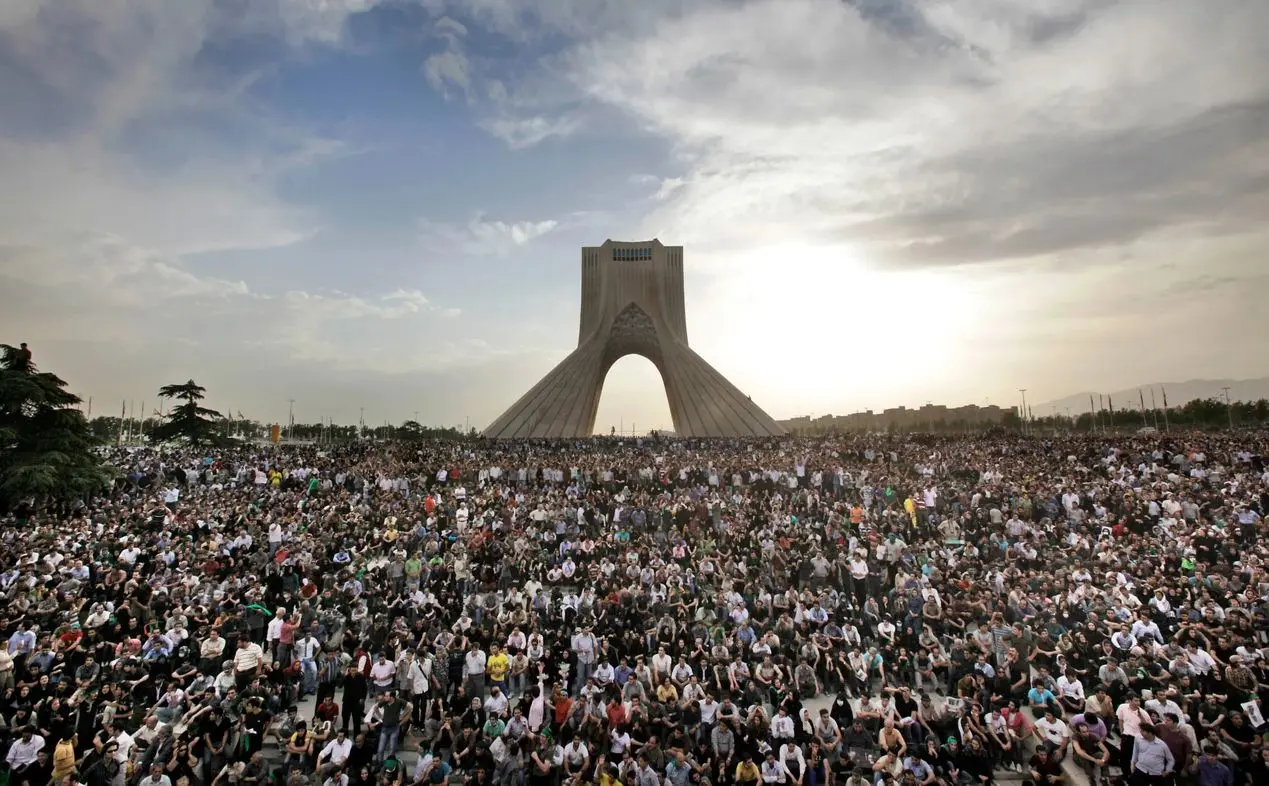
46 446
188 422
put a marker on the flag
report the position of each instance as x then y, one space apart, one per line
1142 396
1165 396
1091 407
1111 399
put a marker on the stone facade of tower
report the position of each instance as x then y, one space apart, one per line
632 304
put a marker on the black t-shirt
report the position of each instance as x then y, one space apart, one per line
905 705
215 728
1087 745
1243 733
1259 772
1045 766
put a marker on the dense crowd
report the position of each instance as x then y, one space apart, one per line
858 610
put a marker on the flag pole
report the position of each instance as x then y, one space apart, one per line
1144 422
1166 426
1154 409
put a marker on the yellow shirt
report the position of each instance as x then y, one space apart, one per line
748 772
909 505
63 759
497 666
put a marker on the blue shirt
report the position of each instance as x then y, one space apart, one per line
1211 772
21 642
1152 757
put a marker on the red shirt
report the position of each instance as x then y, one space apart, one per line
562 708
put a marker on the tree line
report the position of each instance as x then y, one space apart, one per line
1206 414
51 453
112 428
1202 413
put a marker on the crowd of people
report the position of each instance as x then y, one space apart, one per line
866 610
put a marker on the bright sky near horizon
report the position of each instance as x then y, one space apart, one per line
356 203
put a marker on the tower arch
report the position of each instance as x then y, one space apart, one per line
633 303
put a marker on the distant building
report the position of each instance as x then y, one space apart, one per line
931 417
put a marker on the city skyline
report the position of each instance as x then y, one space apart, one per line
378 204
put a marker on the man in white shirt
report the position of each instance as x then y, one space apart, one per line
24 751
774 771
156 777
1071 691
496 704
335 754
474 670
306 650
576 757
248 659
273 633
1053 733
661 664
1163 705
275 538
782 726
382 674
584 645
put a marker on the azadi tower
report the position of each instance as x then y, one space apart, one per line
632 304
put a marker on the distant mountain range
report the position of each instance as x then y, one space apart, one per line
1179 393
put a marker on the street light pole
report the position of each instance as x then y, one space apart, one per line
290 420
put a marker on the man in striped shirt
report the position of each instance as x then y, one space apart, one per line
248 659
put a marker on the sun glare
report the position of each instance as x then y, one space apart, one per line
873 335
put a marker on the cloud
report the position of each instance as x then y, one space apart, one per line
446 70
932 133
207 203
450 29
482 236
323 21
450 67
525 132
132 295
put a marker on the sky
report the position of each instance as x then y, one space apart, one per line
377 206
